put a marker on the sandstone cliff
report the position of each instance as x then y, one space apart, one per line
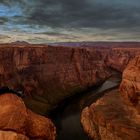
130 85
47 74
116 116
19 123
118 57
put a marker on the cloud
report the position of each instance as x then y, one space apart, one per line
77 13
48 16
85 13
3 20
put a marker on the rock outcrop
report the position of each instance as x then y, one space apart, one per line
116 116
109 119
130 85
19 123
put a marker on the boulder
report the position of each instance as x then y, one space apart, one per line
19 123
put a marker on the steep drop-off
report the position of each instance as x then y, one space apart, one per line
116 115
47 74
130 85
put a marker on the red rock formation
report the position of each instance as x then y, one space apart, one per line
130 85
116 116
119 57
48 74
39 127
109 119
19 123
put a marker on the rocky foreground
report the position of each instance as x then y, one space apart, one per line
19 123
116 116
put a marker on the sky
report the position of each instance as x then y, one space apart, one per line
45 21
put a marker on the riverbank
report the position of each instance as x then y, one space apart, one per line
67 117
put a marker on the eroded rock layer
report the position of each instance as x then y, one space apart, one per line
47 74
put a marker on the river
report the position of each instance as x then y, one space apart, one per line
67 117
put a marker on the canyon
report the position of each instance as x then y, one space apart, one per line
49 74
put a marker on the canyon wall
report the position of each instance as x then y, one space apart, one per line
118 57
130 85
116 116
49 74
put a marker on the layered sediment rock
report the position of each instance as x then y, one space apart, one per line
130 85
19 123
47 74
116 116
109 119
119 57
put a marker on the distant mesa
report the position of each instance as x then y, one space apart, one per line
20 43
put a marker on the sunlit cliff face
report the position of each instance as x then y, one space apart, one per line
43 21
